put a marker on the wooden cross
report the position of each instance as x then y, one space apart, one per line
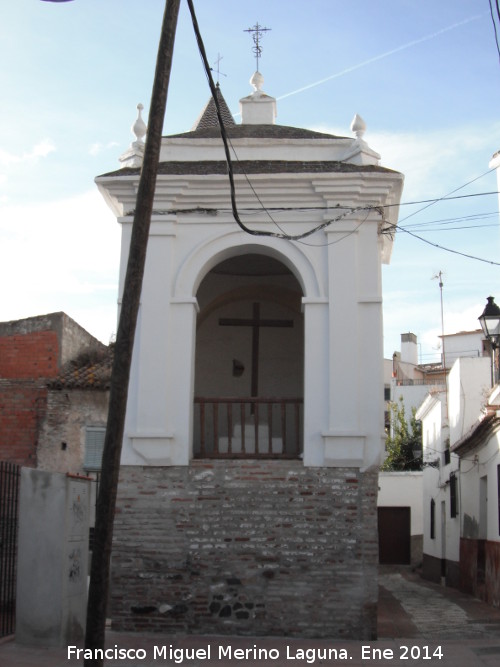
256 323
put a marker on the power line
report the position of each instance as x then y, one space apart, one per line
494 24
251 210
447 196
234 207
441 247
299 237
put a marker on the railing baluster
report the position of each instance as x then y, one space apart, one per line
230 428
202 429
242 419
269 428
216 426
256 426
297 428
237 442
283 424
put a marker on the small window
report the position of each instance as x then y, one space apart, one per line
453 496
387 393
446 456
433 519
94 444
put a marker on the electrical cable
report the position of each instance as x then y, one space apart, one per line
495 25
234 208
441 247
447 196
248 211
298 237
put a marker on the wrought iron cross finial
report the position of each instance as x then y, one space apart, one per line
257 32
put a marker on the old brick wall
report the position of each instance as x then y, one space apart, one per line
30 355
248 548
22 404
32 352
27 357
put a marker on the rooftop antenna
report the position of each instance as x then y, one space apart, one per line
257 33
439 276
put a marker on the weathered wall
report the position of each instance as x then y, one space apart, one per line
61 446
248 548
33 351
52 558
22 403
480 569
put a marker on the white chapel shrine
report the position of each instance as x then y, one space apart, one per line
255 419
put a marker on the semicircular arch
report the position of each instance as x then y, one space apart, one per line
208 254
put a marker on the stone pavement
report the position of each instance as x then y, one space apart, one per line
419 624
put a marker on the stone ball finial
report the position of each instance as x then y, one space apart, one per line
257 81
139 128
358 126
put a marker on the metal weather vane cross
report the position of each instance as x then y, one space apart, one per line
257 33
217 65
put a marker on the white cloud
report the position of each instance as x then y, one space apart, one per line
39 150
62 255
42 149
98 147
11 161
433 162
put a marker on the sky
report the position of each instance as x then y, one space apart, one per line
424 75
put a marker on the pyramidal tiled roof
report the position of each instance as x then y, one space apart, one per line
208 117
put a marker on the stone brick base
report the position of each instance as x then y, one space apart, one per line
246 548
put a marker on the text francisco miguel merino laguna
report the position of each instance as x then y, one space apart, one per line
220 652
223 652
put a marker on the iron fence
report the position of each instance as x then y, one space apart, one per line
9 496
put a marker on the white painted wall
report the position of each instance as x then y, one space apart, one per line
463 344
480 503
403 489
469 383
339 276
436 474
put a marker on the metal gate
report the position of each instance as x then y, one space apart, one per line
9 495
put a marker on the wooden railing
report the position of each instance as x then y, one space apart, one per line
248 427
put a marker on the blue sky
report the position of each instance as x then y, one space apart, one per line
423 74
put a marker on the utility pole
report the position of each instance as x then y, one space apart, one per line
120 373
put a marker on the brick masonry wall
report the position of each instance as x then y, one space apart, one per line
247 548
33 355
32 351
22 404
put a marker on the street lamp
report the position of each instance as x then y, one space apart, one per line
490 324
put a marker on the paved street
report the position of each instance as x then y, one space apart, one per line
411 607
420 624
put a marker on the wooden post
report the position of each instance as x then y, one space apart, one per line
99 575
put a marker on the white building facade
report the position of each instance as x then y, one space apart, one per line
479 459
255 347
447 418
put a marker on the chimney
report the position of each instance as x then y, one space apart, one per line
409 349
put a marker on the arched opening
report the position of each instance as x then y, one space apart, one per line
249 361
